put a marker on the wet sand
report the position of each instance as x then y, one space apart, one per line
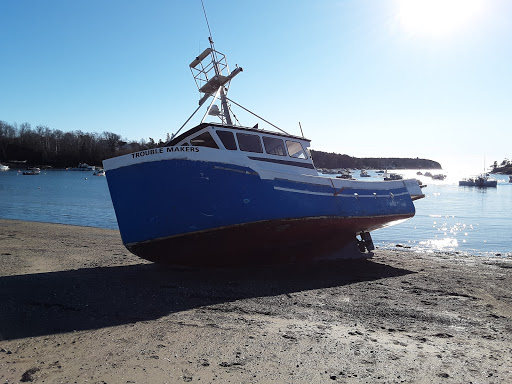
76 307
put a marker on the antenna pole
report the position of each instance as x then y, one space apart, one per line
208 24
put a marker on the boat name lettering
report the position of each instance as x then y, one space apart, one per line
155 151
147 152
182 149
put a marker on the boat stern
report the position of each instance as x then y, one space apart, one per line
414 189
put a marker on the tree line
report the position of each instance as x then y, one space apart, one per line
504 167
44 146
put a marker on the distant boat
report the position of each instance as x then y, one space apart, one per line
345 175
439 177
483 181
328 171
32 171
392 176
428 174
4 167
510 179
419 173
364 173
84 167
99 172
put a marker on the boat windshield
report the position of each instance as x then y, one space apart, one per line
228 140
274 146
249 143
295 149
204 140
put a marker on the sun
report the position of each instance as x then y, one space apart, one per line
437 18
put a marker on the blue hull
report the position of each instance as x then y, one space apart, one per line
165 208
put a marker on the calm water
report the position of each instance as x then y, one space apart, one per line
450 218
66 197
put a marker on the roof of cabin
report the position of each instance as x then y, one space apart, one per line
197 128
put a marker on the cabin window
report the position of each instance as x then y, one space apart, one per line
274 146
204 140
295 149
249 143
228 139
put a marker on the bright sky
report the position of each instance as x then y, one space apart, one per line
368 78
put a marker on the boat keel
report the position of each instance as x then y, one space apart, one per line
258 243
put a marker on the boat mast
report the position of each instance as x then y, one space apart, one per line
219 64
218 72
213 77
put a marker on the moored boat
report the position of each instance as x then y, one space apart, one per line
483 181
345 174
226 194
32 171
4 167
84 167
391 176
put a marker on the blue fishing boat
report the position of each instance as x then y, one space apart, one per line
226 194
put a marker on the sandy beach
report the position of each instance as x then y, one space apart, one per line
76 307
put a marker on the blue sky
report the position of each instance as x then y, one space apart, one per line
369 78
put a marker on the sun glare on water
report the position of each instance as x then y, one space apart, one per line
437 18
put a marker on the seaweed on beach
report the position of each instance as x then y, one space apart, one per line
27 376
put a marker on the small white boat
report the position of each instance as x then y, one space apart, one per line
84 167
99 172
364 173
32 171
393 176
4 167
345 175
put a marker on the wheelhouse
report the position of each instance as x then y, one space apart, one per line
252 143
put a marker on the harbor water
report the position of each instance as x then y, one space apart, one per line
466 220
57 196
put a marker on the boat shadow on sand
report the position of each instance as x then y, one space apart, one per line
93 298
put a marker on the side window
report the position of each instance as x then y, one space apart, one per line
274 146
228 139
249 143
204 140
295 149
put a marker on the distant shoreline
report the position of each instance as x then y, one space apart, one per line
338 161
